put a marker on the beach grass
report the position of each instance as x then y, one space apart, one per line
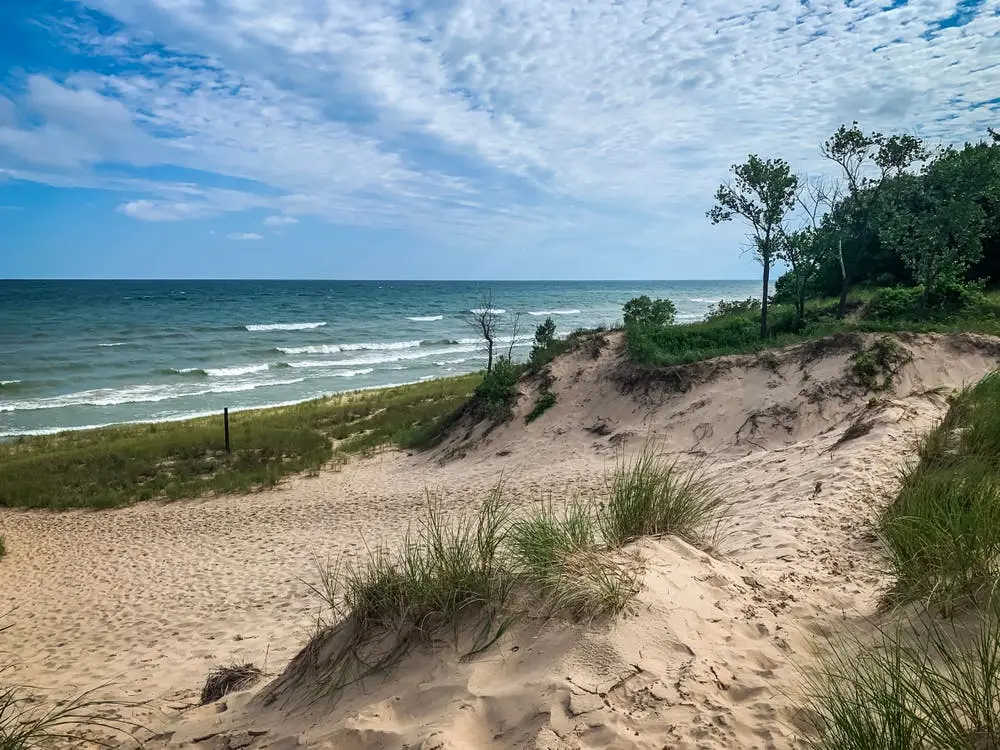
942 530
120 465
464 580
652 494
917 684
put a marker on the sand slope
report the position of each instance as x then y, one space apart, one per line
150 597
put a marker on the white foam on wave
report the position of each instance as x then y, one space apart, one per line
446 362
116 343
426 318
481 310
284 326
703 300
539 313
338 348
136 394
9 382
351 373
231 372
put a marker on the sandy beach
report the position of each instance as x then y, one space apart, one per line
140 603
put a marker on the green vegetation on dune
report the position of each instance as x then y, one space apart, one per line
463 581
942 530
121 465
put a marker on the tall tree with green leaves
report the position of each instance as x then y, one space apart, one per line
762 193
868 162
936 221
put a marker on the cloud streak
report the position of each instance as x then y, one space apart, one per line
244 236
490 119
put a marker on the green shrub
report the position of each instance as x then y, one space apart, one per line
876 366
545 337
653 495
498 388
687 343
546 400
644 312
749 307
895 303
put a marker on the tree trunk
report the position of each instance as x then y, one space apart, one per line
844 285
489 356
763 300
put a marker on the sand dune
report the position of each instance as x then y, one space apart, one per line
147 599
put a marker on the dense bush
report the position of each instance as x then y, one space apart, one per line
642 311
733 308
498 388
546 346
913 303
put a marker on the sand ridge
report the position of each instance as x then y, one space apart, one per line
147 599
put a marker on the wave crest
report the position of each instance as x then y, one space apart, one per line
284 326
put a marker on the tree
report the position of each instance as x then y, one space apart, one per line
801 251
485 322
762 194
937 220
805 250
545 335
642 311
857 154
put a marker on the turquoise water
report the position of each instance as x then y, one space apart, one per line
79 354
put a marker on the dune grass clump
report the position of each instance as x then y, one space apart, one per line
942 530
652 494
225 680
3 547
935 685
563 561
546 400
447 577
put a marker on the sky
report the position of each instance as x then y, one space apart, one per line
444 139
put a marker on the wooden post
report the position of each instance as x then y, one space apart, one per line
225 417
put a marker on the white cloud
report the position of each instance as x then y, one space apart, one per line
243 236
280 221
492 119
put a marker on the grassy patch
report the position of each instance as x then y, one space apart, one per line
122 465
562 559
653 495
464 582
932 686
876 366
736 329
546 400
942 531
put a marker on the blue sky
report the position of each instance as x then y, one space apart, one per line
443 138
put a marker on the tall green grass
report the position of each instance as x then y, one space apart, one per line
942 530
652 494
465 580
919 686
126 464
560 557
